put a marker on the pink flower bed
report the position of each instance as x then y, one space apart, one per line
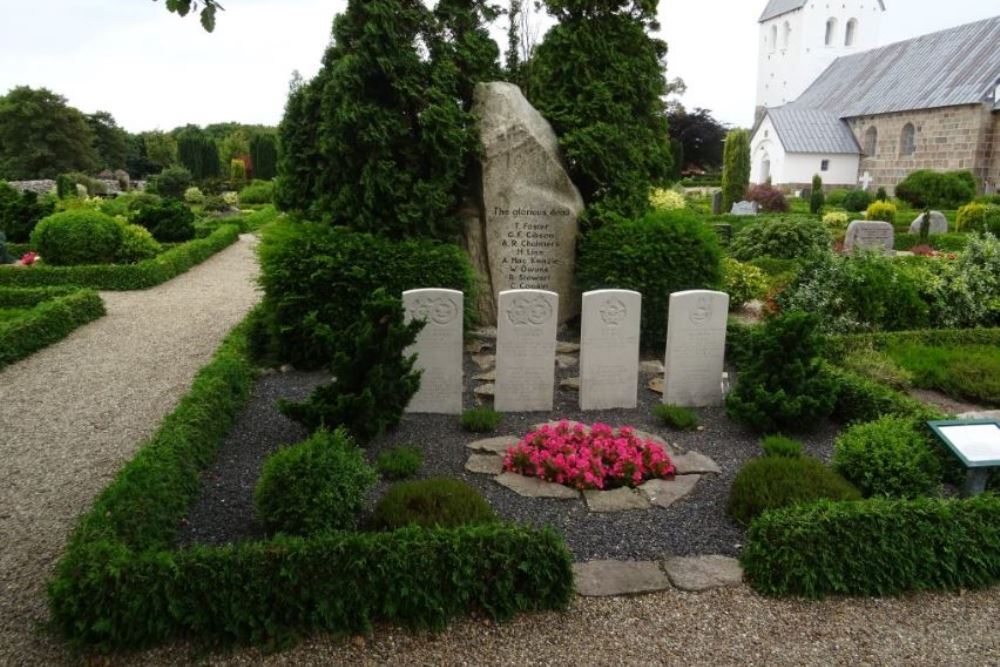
597 457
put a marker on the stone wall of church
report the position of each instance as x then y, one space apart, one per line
945 139
992 184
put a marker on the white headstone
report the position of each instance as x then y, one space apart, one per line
938 223
870 234
744 208
526 350
696 347
438 348
609 349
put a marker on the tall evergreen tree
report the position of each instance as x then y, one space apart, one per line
735 168
197 152
110 141
598 77
299 157
41 136
264 155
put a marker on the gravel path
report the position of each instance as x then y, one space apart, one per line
73 413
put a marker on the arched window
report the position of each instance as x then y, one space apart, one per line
852 29
774 38
871 141
787 34
908 140
831 28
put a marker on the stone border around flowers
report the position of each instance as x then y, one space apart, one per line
487 459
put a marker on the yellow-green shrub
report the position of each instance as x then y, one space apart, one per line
881 210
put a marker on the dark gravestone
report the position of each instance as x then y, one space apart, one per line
5 257
717 203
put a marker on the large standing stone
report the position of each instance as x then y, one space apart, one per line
871 234
938 223
526 237
526 350
609 356
696 345
438 348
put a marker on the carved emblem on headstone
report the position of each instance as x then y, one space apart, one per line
529 310
440 310
702 312
614 312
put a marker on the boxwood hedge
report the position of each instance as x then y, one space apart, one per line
55 312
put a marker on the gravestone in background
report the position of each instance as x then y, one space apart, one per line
939 223
526 350
5 257
696 347
524 236
717 202
609 349
871 234
744 208
438 348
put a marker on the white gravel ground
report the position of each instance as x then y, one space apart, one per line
73 413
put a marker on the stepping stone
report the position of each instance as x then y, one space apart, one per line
564 361
497 445
695 463
651 367
484 361
701 573
618 577
563 347
615 500
656 384
664 492
476 346
488 376
485 390
532 487
485 464
570 383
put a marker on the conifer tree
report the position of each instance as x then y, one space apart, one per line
735 168
816 197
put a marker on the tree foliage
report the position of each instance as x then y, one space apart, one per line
110 141
264 155
209 8
598 78
735 168
702 136
197 153
41 136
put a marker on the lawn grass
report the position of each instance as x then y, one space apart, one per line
969 372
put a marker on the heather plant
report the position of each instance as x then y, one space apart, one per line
439 502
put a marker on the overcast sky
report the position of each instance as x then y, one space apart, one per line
151 69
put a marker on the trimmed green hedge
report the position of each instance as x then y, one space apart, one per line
120 583
860 399
145 274
838 346
875 547
55 312
940 242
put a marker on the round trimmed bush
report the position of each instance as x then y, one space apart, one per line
779 481
318 484
881 210
661 253
933 189
81 236
194 195
892 456
169 221
789 237
856 201
137 244
437 502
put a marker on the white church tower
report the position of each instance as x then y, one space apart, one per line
799 39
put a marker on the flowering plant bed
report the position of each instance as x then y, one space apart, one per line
595 457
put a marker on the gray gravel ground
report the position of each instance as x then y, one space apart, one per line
73 413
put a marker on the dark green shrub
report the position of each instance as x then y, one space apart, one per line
171 182
933 189
773 482
861 399
316 277
257 192
893 456
836 197
81 236
782 389
787 237
65 186
875 548
856 201
663 252
881 194
439 502
137 244
399 462
20 212
170 221
816 198
318 484
480 420
215 204
735 168
675 416
373 382
779 445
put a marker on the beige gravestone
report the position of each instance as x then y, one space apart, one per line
870 234
937 223
526 350
438 348
696 347
609 352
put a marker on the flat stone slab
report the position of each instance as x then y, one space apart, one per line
532 487
563 347
570 383
695 463
566 361
665 492
488 389
497 445
701 573
485 464
485 361
618 577
488 376
615 500
651 367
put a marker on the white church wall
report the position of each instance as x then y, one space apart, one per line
767 155
799 168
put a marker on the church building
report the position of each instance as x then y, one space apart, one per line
829 103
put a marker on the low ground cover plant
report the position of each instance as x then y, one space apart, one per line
970 372
779 445
595 457
399 462
257 192
439 502
676 416
893 457
480 420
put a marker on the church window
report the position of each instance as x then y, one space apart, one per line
831 28
908 140
852 29
824 165
774 38
787 34
871 141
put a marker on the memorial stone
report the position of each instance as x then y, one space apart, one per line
871 234
717 202
526 350
5 257
526 237
696 345
744 208
938 223
609 354
438 348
